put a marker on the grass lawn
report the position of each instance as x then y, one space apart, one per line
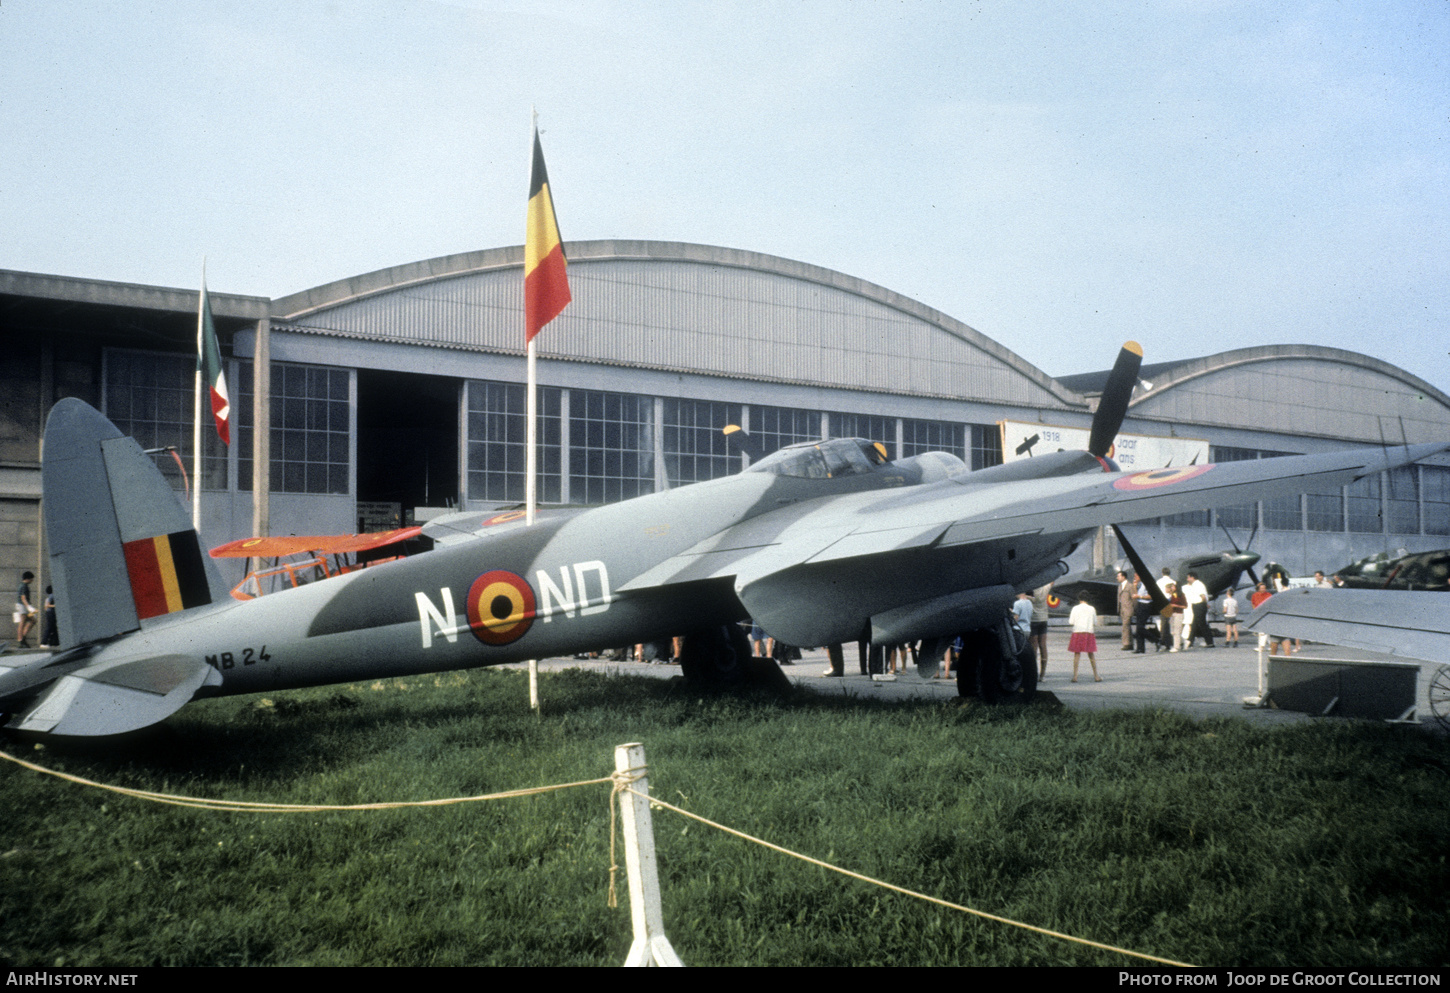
1216 843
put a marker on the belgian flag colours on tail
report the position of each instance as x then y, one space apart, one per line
546 281
166 573
209 364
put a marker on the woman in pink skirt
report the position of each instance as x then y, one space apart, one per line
1084 621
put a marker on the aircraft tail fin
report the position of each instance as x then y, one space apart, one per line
122 548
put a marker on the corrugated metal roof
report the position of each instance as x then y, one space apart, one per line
688 308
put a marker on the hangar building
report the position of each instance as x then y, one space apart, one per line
399 392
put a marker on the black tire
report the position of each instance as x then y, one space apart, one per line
715 657
976 646
980 671
1027 659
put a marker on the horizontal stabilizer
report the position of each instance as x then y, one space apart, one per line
118 696
1408 624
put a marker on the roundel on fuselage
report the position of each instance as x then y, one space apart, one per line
500 607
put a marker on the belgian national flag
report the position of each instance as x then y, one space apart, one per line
546 281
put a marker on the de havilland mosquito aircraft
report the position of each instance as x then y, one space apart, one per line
820 543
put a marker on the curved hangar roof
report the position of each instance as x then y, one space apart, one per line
685 308
1308 390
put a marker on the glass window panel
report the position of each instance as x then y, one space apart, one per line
1324 510
1435 490
1366 515
695 445
918 436
1402 500
599 442
310 437
149 397
986 446
497 436
772 428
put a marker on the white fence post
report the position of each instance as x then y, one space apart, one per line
650 946
534 685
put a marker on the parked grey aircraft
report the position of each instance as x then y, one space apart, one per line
822 542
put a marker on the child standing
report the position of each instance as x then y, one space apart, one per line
1231 619
1084 621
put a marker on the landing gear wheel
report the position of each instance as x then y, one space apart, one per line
976 646
989 679
715 657
1440 695
1027 659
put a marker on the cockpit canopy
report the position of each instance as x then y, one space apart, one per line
824 459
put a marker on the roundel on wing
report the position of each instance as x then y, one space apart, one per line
500 607
1054 601
504 518
1160 477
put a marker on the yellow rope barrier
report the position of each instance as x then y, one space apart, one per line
622 783
248 806
903 890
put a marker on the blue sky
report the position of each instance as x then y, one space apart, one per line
1198 175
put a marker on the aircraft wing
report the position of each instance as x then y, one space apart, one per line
960 512
322 544
1413 625
764 555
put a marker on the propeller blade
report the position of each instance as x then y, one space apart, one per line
1253 576
1113 404
1237 549
739 440
1160 602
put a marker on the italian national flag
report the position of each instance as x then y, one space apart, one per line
209 363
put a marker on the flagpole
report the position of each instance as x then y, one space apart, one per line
529 429
529 434
196 406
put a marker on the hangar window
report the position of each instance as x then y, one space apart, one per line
497 431
986 446
149 396
1435 486
611 446
872 427
919 436
1324 509
695 442
775 427
311 431
1366 512
1402 500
